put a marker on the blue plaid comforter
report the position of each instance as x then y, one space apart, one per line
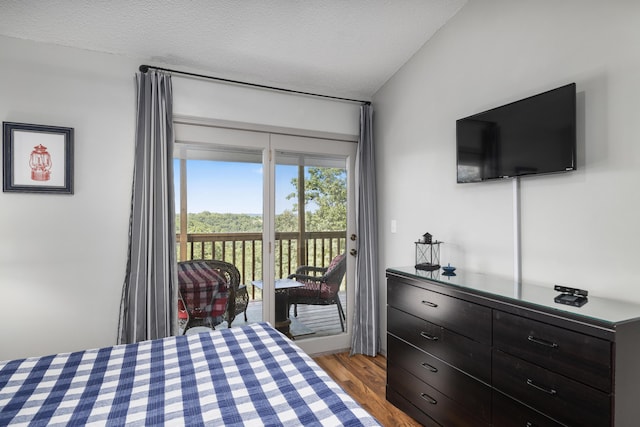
240 376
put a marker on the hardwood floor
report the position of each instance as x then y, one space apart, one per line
364 378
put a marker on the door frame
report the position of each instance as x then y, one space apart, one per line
201 132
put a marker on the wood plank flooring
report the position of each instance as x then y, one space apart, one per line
364 378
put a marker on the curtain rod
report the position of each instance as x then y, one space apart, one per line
145 68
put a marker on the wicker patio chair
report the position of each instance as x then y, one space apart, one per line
238 298
238 301
321 286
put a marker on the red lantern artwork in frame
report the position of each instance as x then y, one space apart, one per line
40 162
37 158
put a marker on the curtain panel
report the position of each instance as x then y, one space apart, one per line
149 295
366 336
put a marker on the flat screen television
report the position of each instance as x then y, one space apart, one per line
536 135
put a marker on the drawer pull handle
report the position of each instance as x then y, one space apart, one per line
428 398
429 337
430 304
544 389
542 342
425 365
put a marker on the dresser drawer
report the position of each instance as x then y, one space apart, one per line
465 318
436 405
509 413
459 351
575 355
408 408
470 393
563 399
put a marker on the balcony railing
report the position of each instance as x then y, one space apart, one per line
244 250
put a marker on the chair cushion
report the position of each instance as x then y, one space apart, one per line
310 290
335 262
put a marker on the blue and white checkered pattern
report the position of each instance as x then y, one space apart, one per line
242 376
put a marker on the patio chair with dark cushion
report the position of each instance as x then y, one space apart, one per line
321 286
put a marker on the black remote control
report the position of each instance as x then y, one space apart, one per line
573 291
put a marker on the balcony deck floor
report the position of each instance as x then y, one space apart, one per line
312 320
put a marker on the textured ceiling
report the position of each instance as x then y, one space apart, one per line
345 48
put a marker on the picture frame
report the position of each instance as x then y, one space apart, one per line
37 158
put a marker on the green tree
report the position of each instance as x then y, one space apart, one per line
211 222
287 221
325 198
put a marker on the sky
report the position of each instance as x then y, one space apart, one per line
226 187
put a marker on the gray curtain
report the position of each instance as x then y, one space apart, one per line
366 336
149 295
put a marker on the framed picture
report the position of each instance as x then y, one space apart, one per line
37 158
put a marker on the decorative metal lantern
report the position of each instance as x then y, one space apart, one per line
40 162
427 253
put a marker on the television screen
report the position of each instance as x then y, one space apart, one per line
536 135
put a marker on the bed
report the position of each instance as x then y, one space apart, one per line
250 376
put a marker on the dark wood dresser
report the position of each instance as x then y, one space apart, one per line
465 350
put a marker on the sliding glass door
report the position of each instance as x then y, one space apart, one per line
280 209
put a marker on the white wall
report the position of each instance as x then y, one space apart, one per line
62 257
579 229
264 109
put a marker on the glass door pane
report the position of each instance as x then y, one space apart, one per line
312 201
219 203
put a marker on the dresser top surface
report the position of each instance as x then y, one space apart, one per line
600 310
